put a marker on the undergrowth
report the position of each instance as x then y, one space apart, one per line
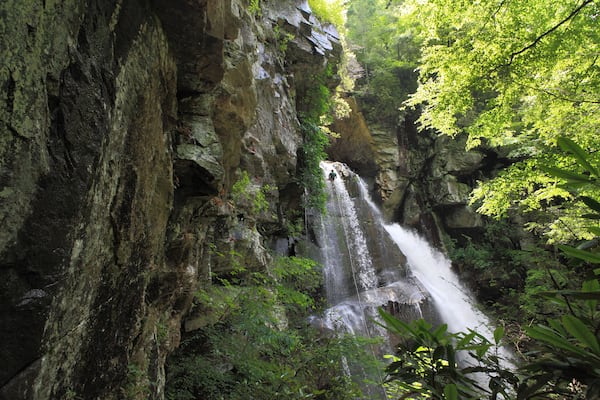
255 341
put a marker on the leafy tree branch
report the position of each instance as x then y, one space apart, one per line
548 32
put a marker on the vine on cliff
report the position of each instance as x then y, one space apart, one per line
315 105
313 153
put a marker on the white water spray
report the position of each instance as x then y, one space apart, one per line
433 270
369 264
356 285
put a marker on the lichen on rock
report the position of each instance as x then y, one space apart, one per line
124 127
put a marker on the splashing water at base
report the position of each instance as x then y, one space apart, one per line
434 272
368 264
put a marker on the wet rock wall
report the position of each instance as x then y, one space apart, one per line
124 126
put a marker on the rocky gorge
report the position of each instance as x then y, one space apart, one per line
126 127
421 179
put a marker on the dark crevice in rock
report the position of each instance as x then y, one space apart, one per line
191 180
9 89
132 15
108 85
185 94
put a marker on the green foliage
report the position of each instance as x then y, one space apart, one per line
329 11
429 362
282 38
245 194
316 101
311 177
254 7
137 384
521 78
547 185
162 331
502 274
298 280
493 264
508 64
520 186
316 108
294 226
254 342
71 395
387 47
569 346
580 178
564 348
471 256
563 362
567 349
516 76
540 278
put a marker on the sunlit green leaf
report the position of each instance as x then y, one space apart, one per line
551 338
565 174
395 325
590 285
581 332
581 155
573 186
440 331
465 340
450 392
580 254
594 229
557 326
498 333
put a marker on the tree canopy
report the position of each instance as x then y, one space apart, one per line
515 76
388 48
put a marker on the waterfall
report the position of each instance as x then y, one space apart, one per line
363 267
369 264
433 270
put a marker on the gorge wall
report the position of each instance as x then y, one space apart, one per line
422 179
124 126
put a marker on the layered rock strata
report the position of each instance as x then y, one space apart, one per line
125 124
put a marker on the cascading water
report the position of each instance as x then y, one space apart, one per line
369 264
363 267
433 270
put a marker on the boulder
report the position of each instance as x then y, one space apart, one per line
451 157
461 217
448 191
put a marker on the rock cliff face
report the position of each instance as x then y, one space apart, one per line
124 125
422 180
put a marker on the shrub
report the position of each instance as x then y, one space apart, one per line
248 348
